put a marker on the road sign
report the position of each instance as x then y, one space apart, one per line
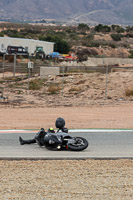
30 65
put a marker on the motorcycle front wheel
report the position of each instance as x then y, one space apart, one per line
79 144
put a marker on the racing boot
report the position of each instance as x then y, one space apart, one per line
22 142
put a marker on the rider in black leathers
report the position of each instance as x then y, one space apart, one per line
39 137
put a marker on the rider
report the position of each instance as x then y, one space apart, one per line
39 137
51 130
60 124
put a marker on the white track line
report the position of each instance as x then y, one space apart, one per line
100 130
72 131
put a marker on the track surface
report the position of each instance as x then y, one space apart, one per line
103 144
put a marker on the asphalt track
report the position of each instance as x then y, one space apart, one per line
103 144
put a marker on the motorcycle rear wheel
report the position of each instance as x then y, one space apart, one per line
79 145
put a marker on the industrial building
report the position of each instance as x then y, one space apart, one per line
29 44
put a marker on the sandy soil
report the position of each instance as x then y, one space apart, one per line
55 180
107 116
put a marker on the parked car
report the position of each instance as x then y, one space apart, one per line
18 50
55 55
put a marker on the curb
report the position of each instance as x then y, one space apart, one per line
71 131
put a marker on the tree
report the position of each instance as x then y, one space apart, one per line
60 46
102 28
83 26
117 28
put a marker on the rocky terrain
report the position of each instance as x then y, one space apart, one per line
73 89
96 102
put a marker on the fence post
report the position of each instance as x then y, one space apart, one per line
14 69
106 90
29 79
30 66
63 82
3 65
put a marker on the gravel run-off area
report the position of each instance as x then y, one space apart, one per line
66 179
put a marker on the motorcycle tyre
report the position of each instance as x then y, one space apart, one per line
52 149
80 148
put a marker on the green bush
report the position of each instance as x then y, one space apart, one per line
83 26
129 28
90 36
129 35
36 84
116 37
131 54
1 34
12 33
102 28
60 46
117 28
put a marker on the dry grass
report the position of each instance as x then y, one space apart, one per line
75 89
129 91
81 82
36 84
54 88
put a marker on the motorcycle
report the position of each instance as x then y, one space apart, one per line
62 141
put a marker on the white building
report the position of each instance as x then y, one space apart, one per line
29 44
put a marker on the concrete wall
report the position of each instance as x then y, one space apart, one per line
48 47
110 61
46 71
86 69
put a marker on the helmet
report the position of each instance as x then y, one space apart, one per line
51 130
60 123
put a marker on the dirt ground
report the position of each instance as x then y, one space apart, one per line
83 102
107 116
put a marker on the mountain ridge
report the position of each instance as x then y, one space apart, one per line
92 11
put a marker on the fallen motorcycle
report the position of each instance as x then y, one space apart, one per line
63 141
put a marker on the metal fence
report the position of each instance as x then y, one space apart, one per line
102 65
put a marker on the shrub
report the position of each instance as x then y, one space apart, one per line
131 54
54 88
117 28
112 45
1 34
90 36
12 33
36 84
102 28
83 26
129 91
129 29
129 35
76 89
95 43
116 37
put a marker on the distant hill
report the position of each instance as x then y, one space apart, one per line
72 11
